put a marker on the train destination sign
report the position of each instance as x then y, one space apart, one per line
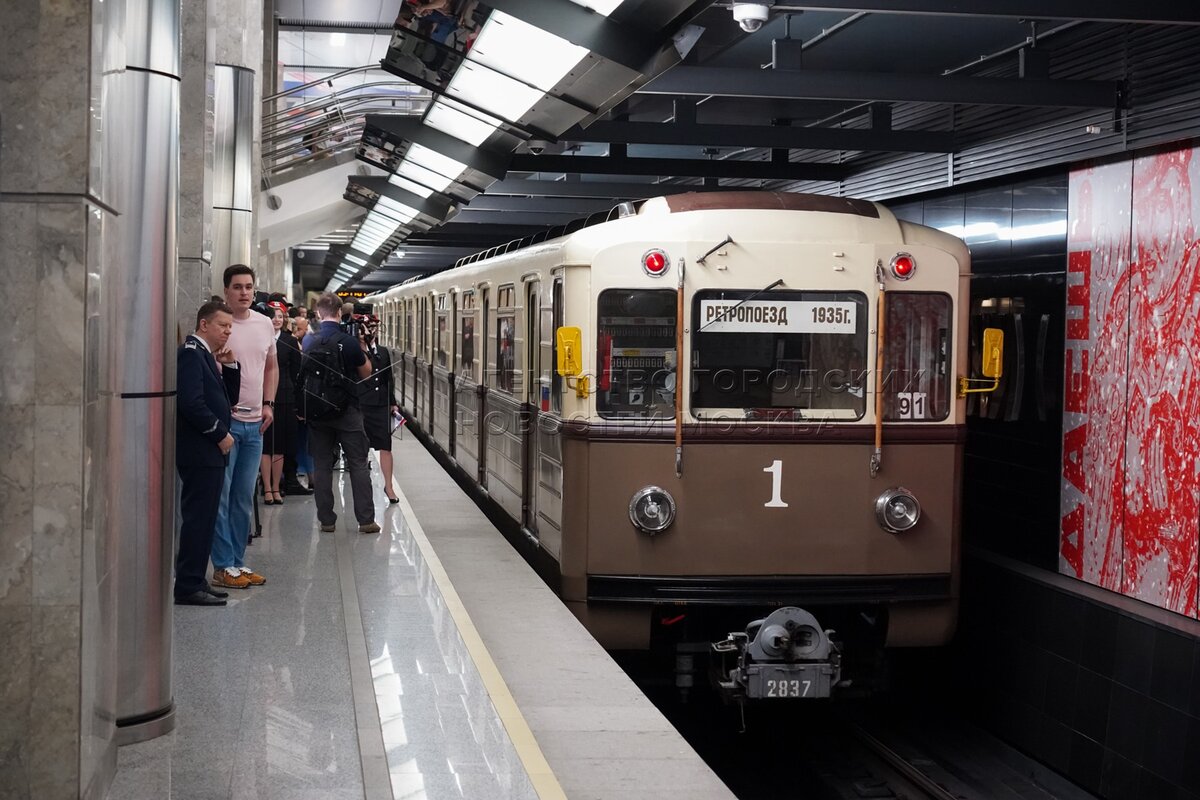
777 316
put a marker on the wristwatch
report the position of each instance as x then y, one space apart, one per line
269 403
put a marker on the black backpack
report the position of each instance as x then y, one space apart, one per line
325 389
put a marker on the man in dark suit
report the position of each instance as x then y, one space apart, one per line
205 394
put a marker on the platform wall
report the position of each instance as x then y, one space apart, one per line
1131 443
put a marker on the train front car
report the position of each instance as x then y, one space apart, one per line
778 518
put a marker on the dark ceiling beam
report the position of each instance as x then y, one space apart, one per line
518 217
882 87
539 205
613 191
684 167
620 43
1164 12
436 205
411 129
798 138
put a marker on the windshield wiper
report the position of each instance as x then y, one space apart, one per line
723 317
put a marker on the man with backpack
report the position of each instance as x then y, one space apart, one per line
332 366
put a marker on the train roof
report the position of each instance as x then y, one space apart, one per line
564 237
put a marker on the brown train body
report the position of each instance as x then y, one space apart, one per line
769 514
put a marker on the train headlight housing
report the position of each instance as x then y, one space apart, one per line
897 510
652 510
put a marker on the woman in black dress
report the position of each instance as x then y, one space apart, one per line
377 400
279 440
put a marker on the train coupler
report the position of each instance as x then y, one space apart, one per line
786 655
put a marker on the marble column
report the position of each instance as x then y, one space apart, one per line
58 225
196 282
238 39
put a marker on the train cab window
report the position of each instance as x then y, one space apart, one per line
916 360
636 354
780 355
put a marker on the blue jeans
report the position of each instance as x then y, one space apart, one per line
237 496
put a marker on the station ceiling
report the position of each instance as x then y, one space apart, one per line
819 95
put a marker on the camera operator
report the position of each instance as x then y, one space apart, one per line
342 427
377 397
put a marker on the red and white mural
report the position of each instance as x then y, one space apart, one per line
1131 433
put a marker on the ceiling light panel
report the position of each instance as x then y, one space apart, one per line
522 51
431 159
410 186
498 94
452 120
397 211
603 7
420 174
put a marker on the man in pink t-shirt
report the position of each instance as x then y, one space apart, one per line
253 343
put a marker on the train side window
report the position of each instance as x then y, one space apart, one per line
466 336
556 321
506 360
635 351
917 381
408 327
506 332
534 350
441 336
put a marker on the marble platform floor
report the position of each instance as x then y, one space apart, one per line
343 677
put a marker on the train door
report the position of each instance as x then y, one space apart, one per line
452 346
533 394
548 469
485 370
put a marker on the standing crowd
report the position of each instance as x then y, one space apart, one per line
265 394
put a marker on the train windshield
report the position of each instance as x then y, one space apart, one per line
636 353
780 355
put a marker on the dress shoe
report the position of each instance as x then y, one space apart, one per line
216 592
369 527
297 488
199 599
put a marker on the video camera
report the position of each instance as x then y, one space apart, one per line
360 322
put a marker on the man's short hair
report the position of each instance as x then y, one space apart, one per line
210 310
329 305
234 270
295 311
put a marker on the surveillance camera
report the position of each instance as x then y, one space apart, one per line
537 146
750 16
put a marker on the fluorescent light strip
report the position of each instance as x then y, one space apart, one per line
356 260
524 52
451 119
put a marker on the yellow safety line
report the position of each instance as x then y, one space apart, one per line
545 783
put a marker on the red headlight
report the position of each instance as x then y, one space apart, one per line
655 263
903 266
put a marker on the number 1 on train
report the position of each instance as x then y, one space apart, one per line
776 470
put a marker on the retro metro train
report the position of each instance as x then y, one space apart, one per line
801 490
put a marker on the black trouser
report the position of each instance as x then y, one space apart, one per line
200 502
324 436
